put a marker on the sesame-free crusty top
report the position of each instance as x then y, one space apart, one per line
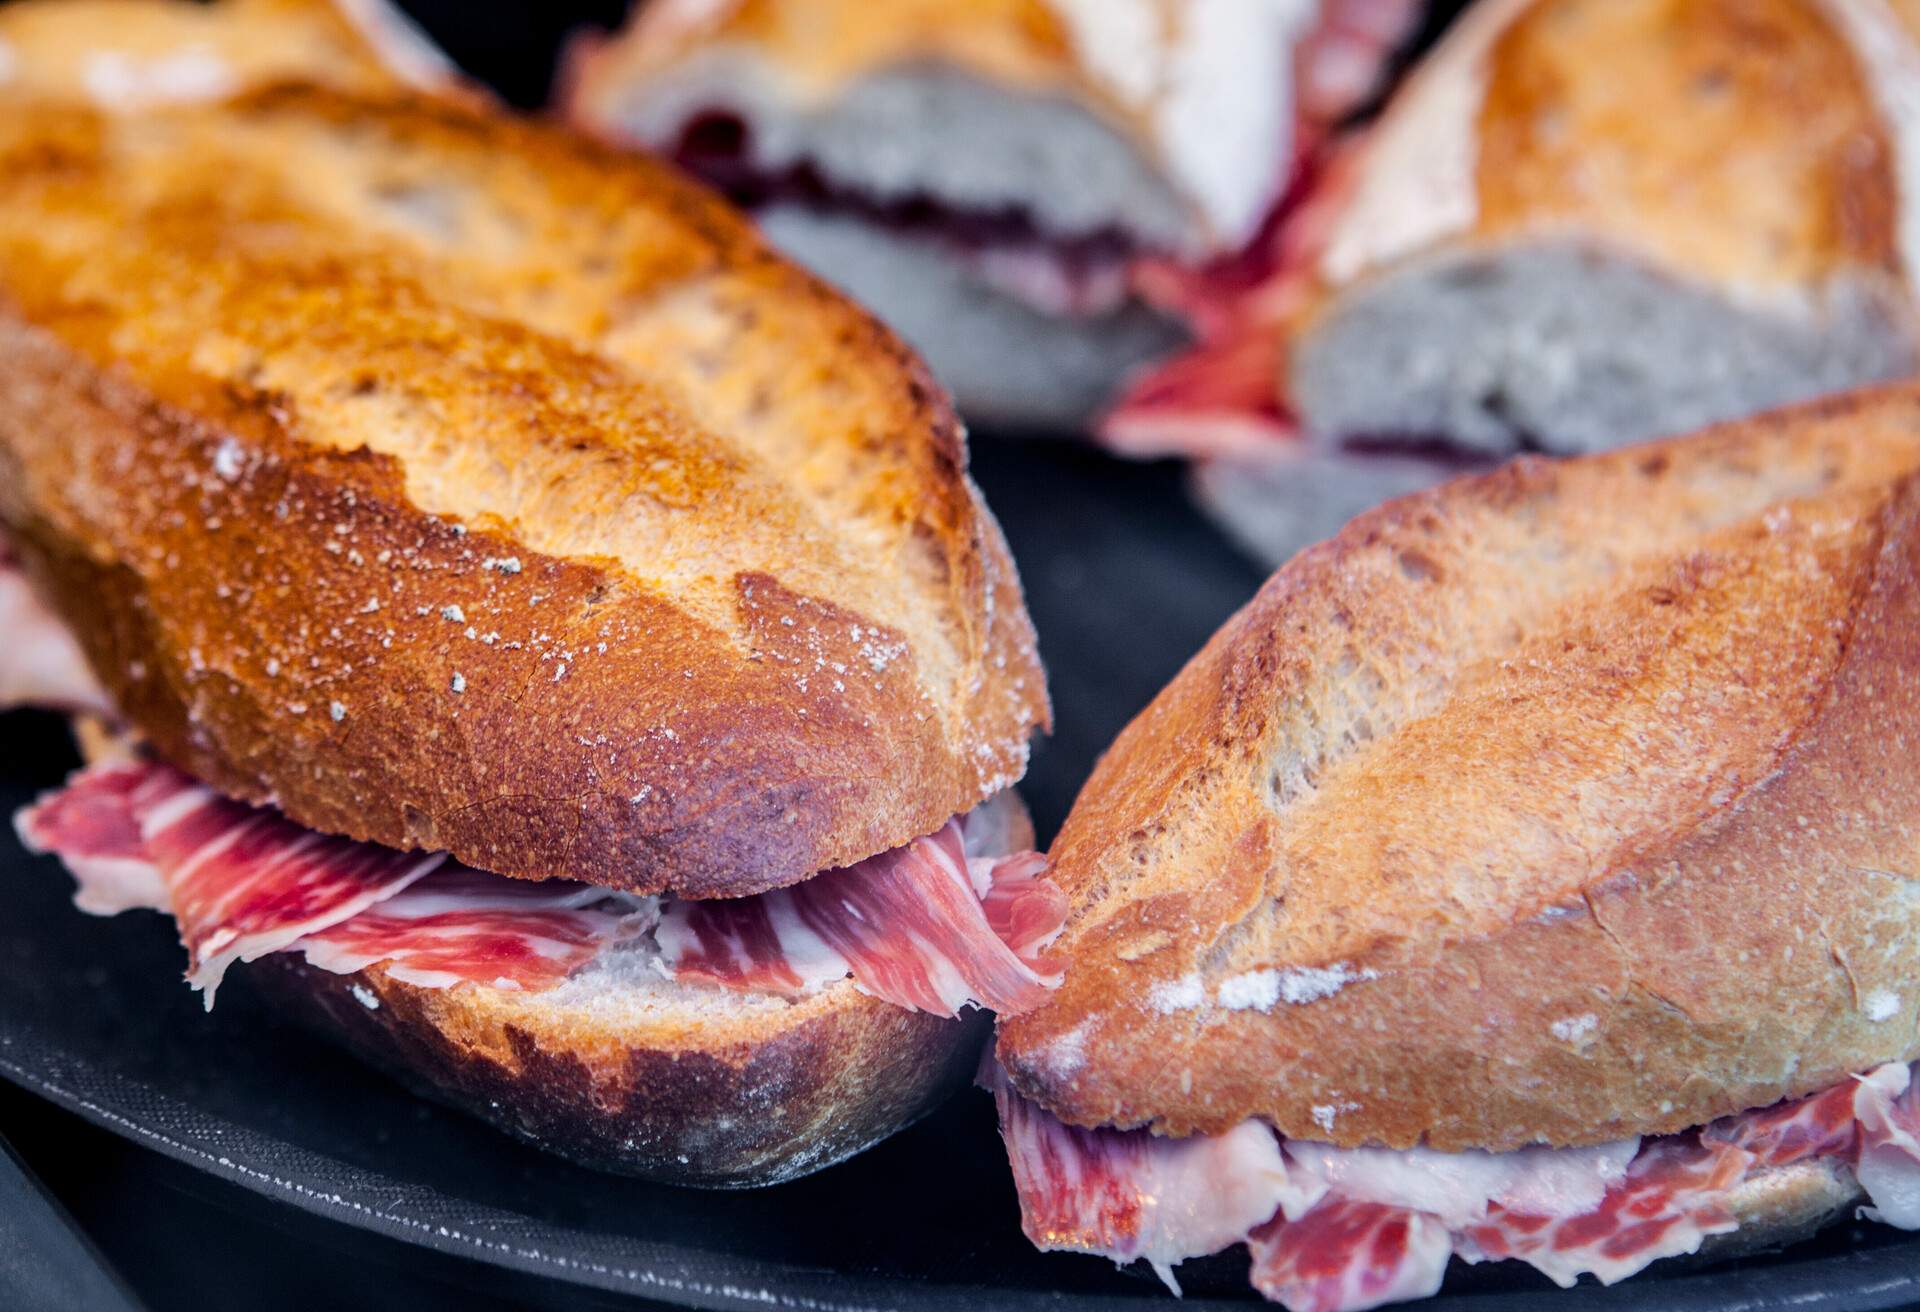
1570 802
455 484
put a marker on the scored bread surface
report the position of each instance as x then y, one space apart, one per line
453 483
1570 802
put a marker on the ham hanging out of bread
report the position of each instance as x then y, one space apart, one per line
1340 1230
926 926
40 664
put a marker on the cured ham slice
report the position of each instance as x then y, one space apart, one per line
1129 1195
1820 1126
40 664
926 925
459 925
1221 396
1669 1201
1887 1103
1344 1256
240 881
1348 1229
911 926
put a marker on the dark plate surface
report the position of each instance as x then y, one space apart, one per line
1124 582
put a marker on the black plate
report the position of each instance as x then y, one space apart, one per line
1124 583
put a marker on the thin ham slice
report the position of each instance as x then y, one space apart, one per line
1670 1200
1344 1256
1887 1103
460 924
927 925
40 664
1132 1196
240 881
1348 1229
910 925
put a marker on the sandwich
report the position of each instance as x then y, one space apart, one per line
1001 181
1525 874
1575 225
569 659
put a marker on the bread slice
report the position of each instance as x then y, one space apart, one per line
1565 803
455 484
1008 363
1583 224
131 54
622 1070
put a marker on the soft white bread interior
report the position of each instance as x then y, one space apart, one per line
1006 362
1555 805
1589 222
456 484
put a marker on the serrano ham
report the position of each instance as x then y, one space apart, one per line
926 925
40 664
460 924
1339 1230
240 881
1131 1195
1344 1255
921 926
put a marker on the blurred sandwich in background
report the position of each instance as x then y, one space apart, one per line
1001 179
1578 223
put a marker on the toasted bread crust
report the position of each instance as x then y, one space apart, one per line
1787 175
823 48
454 484
1566 803
696 1102
1784 176
129 53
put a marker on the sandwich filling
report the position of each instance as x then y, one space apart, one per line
936 925
1343 1229
41 665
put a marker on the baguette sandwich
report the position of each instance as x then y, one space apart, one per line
571 661
1525 873
1579 223
999 179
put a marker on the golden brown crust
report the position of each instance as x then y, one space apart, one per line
346 432
1734 141
1554 121
824 46
1561 804
125 53
697 1100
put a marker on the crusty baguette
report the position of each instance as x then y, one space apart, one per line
1588 222
455 484
131 54
1559 804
